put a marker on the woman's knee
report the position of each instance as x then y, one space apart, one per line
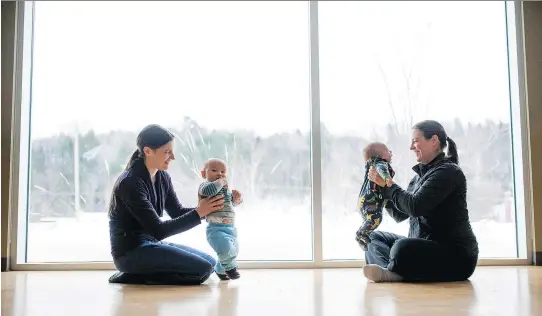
401 257
211 260
377 236
205 271
202 267
208 267
402 248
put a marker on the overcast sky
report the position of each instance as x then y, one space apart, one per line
121 65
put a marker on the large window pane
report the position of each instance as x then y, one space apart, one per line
230 78
386 65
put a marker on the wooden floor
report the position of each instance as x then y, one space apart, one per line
491 291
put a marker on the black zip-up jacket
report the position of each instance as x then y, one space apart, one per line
436 203
137 205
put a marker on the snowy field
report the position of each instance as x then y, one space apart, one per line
264 235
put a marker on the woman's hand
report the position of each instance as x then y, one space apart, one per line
209 205
376 178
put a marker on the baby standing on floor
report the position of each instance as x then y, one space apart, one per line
221 230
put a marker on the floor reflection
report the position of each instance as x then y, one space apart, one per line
319 292
163 300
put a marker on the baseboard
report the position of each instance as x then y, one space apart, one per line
4 264
538 258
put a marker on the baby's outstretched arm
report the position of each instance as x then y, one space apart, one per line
211 188
383 171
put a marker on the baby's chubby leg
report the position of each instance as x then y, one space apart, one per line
372 217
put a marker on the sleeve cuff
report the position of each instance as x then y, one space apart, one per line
194 216
387 193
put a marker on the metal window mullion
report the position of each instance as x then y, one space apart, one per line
316 136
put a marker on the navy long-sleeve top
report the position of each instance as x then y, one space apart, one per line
136 207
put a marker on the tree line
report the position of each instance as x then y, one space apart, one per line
274 168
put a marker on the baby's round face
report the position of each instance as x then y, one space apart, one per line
386 154
215 170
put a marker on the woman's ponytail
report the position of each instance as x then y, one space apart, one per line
452 150
135 156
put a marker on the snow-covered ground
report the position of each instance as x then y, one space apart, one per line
264 234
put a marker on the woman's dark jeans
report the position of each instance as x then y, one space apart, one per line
163 263
418 259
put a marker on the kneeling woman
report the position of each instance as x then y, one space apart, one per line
140 196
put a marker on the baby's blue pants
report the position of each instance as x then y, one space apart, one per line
223 239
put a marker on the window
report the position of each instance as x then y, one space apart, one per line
233 80
228 79
386 65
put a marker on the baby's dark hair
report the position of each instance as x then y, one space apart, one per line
373 150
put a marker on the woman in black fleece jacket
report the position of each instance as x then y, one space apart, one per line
441 245
140 196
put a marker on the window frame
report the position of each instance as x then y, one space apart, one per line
21 152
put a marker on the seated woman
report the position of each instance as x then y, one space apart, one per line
441 245
140 195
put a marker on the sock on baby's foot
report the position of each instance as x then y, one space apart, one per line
376 274
223 277
233 274
362 243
